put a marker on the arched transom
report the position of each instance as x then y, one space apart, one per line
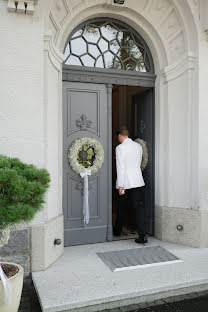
107 43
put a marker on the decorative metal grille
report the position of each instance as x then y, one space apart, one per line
108 44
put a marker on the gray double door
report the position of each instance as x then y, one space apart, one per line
85 114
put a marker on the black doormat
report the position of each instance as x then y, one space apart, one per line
120 260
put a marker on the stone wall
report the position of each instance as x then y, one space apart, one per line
18 249
34 247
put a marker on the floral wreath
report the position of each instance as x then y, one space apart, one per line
144 153
76 147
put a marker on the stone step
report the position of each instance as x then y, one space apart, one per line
80 281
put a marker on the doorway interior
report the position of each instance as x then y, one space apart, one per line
125 102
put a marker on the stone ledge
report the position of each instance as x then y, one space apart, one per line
22 6
194 222
44 252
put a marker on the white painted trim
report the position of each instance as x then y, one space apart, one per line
55 56
141 266
187 62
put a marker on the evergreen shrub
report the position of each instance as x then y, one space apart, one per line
22 190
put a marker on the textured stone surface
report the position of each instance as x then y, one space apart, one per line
204 229
188 218
82 281
18 243
18 249
194 222
30 303
44 252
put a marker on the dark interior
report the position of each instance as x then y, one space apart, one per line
122 114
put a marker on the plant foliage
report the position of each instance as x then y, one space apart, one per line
22 190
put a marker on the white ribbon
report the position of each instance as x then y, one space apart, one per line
86 212
7 286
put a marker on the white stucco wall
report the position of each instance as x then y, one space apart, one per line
21 87
28 128
203 123
179 141
31 91
53 135
21 80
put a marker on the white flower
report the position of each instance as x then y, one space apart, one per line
144 153
74 150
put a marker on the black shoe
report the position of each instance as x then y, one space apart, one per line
141 240
116 232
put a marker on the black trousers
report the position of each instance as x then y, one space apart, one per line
136 197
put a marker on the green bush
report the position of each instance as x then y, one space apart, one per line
22 190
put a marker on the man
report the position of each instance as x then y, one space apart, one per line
130 183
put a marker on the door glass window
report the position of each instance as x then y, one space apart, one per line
107 44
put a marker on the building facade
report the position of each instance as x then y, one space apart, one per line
33 41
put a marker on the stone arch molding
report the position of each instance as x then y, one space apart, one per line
161 23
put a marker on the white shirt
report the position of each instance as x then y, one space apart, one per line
128 164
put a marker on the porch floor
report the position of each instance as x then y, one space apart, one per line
80 281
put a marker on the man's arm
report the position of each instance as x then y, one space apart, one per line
120 169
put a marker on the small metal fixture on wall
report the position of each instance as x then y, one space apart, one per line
180 227
57 241
119 1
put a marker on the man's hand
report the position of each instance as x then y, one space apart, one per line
121 190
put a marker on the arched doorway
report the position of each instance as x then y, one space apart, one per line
108 80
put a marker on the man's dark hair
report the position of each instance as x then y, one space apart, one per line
123 131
